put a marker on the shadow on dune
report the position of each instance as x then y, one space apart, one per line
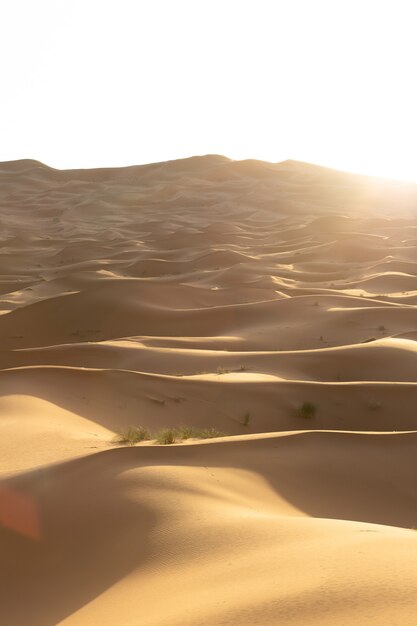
117 399
71 530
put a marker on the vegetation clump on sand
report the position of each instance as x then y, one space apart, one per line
190 432
134 434
307 410
166 436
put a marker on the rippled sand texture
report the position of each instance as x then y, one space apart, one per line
221 294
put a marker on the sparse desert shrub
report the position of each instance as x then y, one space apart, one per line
166 436
187 432
382 328
190 432
222 370
210 433
133 435
246 419
243 368
307 410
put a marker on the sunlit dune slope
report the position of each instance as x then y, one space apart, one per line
244 530
222 295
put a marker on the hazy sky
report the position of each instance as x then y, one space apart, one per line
88 83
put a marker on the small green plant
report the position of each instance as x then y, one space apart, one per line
134 434
307 410
166 437
246 419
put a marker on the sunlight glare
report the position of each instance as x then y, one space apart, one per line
92 83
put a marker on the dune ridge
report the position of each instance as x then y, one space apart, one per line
213 293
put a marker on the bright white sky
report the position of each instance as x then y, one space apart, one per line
88 83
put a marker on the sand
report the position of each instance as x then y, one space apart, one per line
218 294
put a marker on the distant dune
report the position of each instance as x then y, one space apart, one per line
274 303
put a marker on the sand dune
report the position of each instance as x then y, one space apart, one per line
217 294
241 530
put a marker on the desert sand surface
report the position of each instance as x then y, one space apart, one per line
221 295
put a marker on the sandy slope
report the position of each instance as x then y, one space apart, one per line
206 292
